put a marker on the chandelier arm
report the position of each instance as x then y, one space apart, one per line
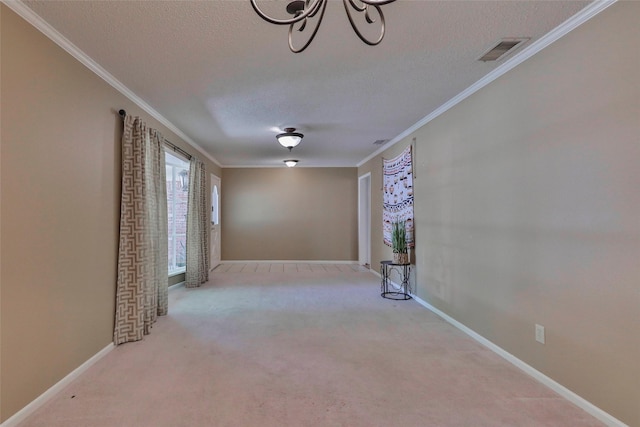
365 3
377 2
368 17
310 11
356 6
365 9
316 7
313 34
303 9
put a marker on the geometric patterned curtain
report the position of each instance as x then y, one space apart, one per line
197 271
141 293
159 305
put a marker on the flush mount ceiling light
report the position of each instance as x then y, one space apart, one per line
303 10
290 163
290 138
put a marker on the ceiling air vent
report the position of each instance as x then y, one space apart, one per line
502 48
380 142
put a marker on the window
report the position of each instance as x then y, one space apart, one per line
177 192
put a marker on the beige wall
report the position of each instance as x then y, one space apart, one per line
528 211
60 189
289 214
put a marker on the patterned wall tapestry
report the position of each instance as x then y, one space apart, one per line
397 197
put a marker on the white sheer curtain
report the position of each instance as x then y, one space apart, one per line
141 293
197 226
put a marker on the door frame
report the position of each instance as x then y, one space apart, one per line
215 181
364 219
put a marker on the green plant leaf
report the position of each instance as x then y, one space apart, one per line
399 237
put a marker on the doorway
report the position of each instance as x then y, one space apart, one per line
214 248
364 220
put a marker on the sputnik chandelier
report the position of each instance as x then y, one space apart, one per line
303 10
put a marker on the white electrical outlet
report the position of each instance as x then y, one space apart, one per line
540 333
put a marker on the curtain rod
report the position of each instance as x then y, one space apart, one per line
171 145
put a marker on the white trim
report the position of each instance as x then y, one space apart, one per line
366 259
172 287
34 19
177 273
576 20
22 414
273 261
577 400
528 369
178 155
298 166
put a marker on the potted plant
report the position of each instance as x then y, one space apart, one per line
399 242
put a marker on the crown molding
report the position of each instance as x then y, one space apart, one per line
283 166
570 24
45 28
561 30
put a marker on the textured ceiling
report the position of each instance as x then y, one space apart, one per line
227 79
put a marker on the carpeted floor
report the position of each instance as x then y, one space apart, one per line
303 347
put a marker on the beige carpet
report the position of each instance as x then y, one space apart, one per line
315 346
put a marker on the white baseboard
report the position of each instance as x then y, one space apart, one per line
272 261
528 369
22 414
598 413
582 403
